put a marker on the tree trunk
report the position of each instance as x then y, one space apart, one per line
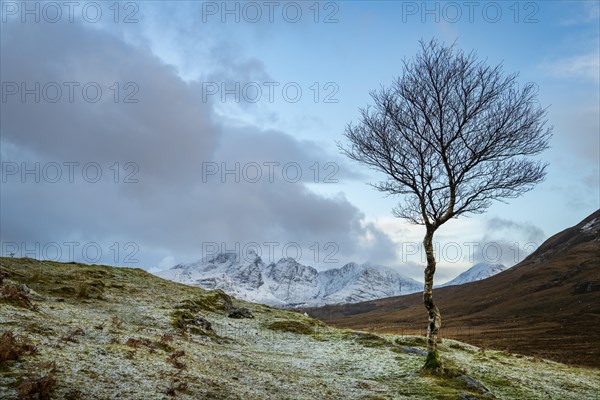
435 319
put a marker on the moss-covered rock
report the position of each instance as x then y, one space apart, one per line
188 321
240 313
412 341
293 326
370 339
212 301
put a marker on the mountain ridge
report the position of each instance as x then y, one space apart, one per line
477 272
288 283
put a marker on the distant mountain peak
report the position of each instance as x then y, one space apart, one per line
221 258
287 282
477 272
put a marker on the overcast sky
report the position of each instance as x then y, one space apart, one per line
148 134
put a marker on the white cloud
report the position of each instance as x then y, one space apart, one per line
454 243
586 66
166 263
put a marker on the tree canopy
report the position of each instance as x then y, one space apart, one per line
451 133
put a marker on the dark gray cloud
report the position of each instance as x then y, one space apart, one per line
169 135
507 242
525 230
166 130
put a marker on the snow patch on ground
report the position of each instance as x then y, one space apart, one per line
592 226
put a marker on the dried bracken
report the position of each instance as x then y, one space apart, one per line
38 385
13 348
174 359
71 336
17 295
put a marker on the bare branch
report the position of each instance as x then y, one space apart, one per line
451 135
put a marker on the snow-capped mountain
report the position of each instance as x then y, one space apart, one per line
288 283
354 283
477 272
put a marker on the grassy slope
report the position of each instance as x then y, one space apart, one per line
86 315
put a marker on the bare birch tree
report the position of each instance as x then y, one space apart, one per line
451 134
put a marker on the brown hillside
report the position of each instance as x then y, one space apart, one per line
548 305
